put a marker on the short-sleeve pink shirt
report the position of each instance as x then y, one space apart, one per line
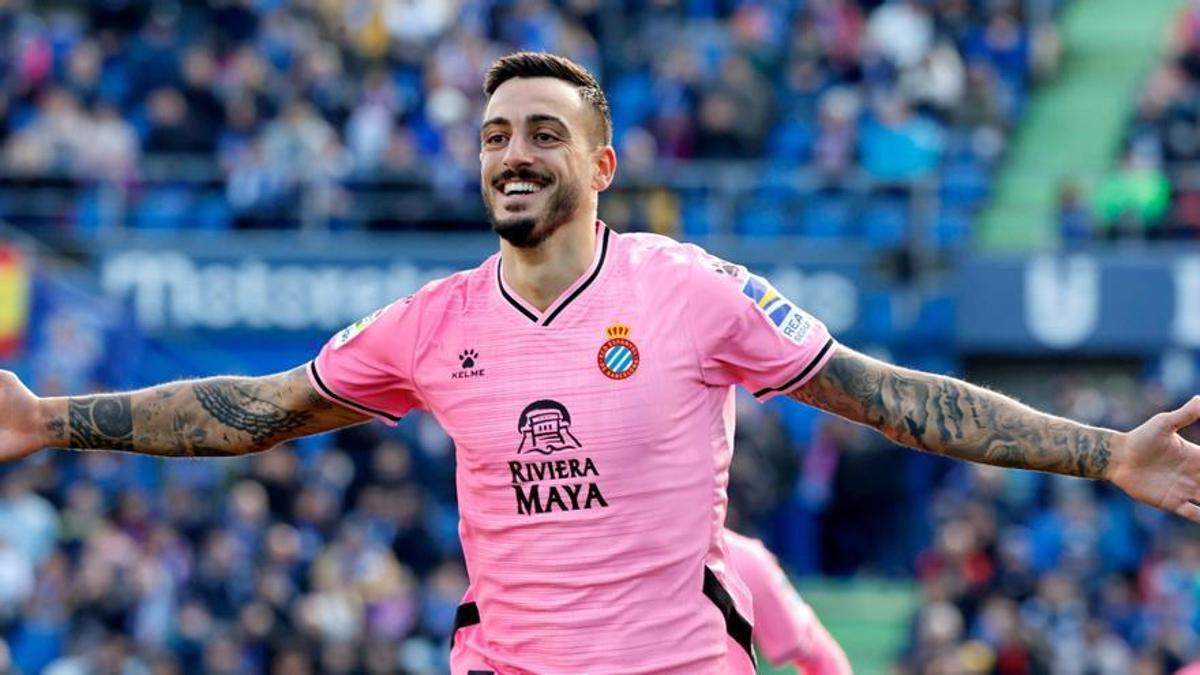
593 442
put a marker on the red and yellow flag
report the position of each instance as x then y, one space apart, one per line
14 300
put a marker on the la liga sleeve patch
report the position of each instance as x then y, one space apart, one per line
788 319
350 332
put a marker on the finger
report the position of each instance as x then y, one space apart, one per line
1189 509
1184 416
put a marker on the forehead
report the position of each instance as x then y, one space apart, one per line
521 97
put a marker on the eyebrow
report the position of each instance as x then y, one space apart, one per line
530 119
535 119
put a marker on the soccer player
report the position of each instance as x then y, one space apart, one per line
785 628
586 379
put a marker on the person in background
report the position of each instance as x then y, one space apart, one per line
785 628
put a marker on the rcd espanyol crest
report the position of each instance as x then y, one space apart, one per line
618 358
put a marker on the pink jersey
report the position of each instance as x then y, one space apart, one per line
785 627
593 442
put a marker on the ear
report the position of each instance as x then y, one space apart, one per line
604 168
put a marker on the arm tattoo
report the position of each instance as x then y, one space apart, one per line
57 427
214 417
237 406
100 422
950 417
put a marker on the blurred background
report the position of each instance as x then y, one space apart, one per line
1007 190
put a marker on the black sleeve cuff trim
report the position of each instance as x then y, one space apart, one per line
803 374
312 365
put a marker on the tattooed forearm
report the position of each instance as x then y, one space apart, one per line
101 422
215 417
951 417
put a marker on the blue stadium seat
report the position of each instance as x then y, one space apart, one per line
762 216
163 208
213 214
792 141
826 217
964 183
951 228
886 223
89 214
696 216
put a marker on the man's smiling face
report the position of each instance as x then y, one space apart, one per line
536 146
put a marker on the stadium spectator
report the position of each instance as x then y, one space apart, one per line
1133 200
54 141
172 128
1073 216
898 145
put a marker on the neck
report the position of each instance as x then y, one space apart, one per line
540 274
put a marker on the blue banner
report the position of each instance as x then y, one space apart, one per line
1094 303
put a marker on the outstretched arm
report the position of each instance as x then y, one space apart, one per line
212 417
950 417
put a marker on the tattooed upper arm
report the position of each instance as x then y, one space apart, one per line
850 386
217 416
272 408
948 416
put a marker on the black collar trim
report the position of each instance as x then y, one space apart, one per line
590 279
575 294
511 300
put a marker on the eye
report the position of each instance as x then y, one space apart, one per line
492 140
544 137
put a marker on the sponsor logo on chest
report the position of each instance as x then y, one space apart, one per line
545 485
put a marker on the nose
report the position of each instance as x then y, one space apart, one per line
517 153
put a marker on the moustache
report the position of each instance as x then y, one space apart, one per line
524 175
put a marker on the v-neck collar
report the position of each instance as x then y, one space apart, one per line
566 297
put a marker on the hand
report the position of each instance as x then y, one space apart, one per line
20 419
1156 466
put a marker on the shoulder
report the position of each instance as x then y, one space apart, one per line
423 309
664 259
642 250
456 292
644 247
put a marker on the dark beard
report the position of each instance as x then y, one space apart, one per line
525 232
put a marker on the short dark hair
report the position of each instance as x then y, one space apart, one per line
542 64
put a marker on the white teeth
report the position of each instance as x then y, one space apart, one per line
520 188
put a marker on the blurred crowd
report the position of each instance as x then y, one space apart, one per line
1153 191
339 555
259 113
1028 573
